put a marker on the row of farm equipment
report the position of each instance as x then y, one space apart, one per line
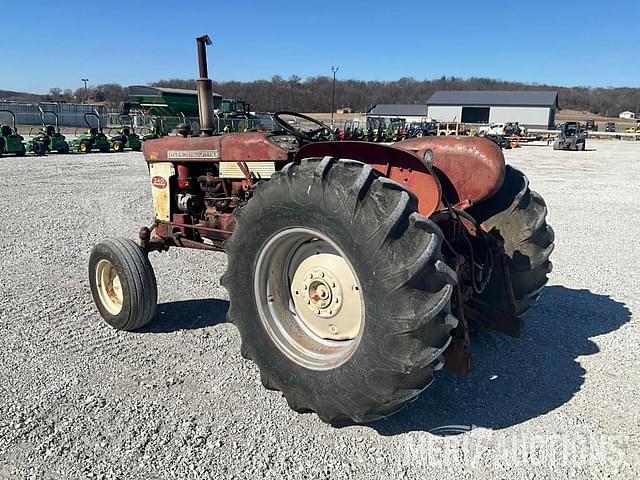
49 138
505 135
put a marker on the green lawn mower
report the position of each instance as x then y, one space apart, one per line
10 140
91 139
126 136
49 139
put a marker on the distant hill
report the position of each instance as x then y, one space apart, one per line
19 96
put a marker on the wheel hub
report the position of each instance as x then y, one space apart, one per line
109 287
327 297
320 291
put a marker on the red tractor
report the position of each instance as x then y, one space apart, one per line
355 270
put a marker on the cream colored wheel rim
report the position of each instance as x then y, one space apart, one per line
109 287
309 298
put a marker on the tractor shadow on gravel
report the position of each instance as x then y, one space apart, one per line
517 379
187 315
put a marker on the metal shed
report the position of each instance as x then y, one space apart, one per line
407 112
529 108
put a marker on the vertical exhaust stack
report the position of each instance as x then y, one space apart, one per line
205 89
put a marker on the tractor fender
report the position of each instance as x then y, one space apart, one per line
402 166
470 169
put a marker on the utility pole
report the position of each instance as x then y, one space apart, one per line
85 80
334 69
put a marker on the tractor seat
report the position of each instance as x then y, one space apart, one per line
51 130
93 131
6 131
126 131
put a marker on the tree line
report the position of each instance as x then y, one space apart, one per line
314 94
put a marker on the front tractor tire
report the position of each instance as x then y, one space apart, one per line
339 290
123 284
118 146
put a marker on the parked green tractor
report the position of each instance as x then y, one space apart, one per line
49 138
10 140
126 137
91 139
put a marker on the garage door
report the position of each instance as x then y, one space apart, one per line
475 114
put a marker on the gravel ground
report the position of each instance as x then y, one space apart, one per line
80 400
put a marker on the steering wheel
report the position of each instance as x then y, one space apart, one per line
304 135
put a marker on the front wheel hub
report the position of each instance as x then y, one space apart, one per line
109 287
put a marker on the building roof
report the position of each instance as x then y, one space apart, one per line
485 98
390 110
147 90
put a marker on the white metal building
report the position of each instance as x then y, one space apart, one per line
529 108
409 113
627 114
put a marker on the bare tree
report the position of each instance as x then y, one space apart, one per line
55 93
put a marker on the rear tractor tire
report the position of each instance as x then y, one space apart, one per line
123 284
339 290
520 216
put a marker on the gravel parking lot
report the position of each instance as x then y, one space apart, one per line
176 400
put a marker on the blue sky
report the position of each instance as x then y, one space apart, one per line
138 42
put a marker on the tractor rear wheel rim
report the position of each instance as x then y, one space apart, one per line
309 298
109 287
